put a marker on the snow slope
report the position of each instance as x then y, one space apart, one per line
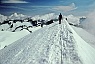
7 37
89 38
53 44
86 52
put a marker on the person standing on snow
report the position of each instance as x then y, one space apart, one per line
60 18
41 24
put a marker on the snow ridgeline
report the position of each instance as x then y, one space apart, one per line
53 44
86 51
88 37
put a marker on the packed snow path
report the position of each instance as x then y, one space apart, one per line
69 53
53 44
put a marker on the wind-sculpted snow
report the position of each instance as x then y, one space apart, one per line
53 44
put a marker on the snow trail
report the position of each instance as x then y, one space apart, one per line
68 44
53 44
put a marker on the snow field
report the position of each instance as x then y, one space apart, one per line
52 44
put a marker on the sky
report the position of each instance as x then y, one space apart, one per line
39 7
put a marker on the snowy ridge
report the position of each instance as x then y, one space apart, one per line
53 44
68 47
88 37
84 49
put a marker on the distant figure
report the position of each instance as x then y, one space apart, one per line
2 30
5 46
41 24
60 18
11 26
66 18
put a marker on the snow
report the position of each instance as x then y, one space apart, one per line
41 47
6 27
17 24
2 18
16 16
89 38
7 37
52 44
73 19
84 49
